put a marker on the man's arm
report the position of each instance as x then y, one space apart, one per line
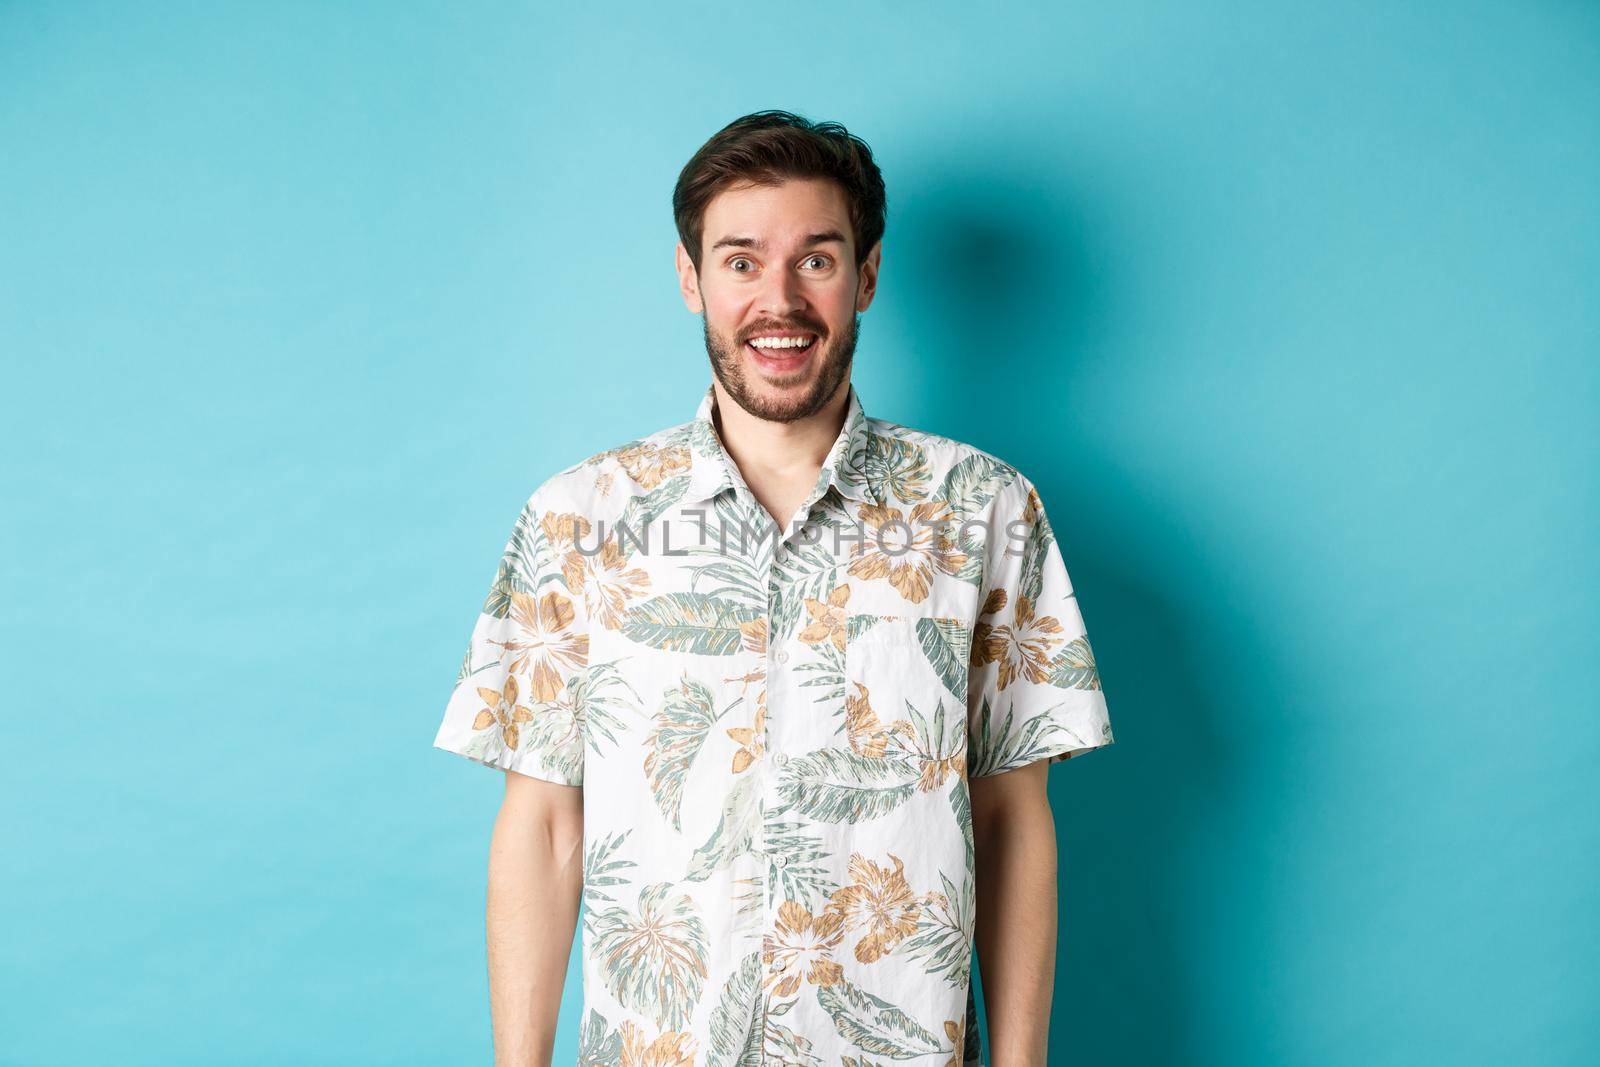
1014 837
535 881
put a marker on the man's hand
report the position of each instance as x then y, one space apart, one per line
535 881
1014 836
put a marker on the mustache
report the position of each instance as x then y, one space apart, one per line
801 327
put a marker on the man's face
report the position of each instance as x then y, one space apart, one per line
778 262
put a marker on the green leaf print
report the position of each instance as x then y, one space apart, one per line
598 694
933 742
1073 666
748 900
803 877
961 804
943 941
823 679
838 785
523 556
689 622
1010 746
701 438
782 1047
1034 552
874 1025
598 1044
808 571
601 868
730 575
736 1021
743 1036
971 571
973 482
556 734
686 716
731 839
946 643
654 962
485 745
860 623
900 466
641 511
740 531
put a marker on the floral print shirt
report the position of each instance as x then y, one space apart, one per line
775 728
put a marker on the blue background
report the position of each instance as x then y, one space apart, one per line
1289 310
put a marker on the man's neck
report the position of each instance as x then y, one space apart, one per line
780 461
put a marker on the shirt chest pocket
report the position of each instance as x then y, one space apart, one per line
906 684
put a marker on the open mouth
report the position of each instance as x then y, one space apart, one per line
781 350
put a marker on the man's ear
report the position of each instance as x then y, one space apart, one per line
868 286
689 281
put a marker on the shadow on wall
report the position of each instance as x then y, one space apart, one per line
1022 294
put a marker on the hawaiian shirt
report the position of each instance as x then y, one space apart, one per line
775 727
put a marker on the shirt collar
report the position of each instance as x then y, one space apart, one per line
845 467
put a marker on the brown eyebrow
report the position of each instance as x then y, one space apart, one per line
760 246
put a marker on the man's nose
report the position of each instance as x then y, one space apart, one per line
782 295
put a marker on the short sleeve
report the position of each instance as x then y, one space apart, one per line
1033 689
517 699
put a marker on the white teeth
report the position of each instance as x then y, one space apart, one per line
781 342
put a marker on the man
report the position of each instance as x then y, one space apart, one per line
778 687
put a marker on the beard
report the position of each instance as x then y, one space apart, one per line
728 363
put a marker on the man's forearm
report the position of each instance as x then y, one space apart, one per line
535 879
1016 928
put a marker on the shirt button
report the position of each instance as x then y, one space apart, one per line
780 861
782 656
780 759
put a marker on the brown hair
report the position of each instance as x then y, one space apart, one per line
767 147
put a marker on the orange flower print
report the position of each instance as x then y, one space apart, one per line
563 529
1023 649
503 710
672 1049
866 732
750 739
606 581
650 466
828 621
880 900
544 643
986 644
936 769
905 550
1033 509
753 636
799 946
956 1031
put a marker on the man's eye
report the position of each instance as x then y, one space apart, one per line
824 260
734 263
